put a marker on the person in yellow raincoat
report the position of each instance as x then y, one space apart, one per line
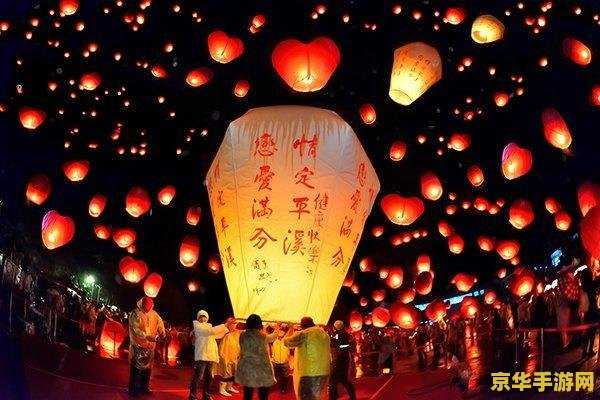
280 357
312 360
145 328
229 353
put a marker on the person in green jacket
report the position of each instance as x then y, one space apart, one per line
312 360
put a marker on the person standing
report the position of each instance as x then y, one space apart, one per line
421 344
204 336
229 353
280 357
341 354
312 359
145 327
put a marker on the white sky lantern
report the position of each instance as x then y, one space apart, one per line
487 29
290 189
417 66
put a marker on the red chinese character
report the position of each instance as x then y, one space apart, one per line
337 258
265 145
261 236
229 259
224 225
264 177
313 235
303 176
321 202
263 209
300 144
298 246
301 203
220 198
346 227
361 174
355 200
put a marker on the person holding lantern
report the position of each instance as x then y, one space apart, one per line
229 353
145 328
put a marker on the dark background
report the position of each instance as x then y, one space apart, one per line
362 76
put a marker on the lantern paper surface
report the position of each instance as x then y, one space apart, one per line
290 189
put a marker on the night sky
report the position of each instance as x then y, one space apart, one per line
362 77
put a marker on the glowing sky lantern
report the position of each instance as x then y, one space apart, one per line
355 321
423 263
31 118
577 52
424 282
595 95
68 7
132 270
395 278
463 281
193 215
552 205
417 66
381 317
124 237
378 295
556 130
469 307
522 283
137 202
97 205
501 99
57 230
516 161
397 150
189 251
214 265
224 48
90 81
112 336
475 175
507 249
102 231
520 214
562 220
198 77
405 316
152 284
459 141
306 67
367 113
166 195
431 187
38 189
76 170
290 189
241 88
445 229
436 310
590 232
489 297
487 29
407 295
402 210
455 15
258 21
456 244
588 196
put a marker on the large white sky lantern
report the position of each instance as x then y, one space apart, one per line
290 189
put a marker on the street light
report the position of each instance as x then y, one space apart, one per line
89 280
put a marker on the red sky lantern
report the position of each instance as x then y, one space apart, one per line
68 7
424 283
57 230
198 77
455 15
124 237
38 189
367 113
366 264
381 317
397 150
97 205
501 98
378 295
595 95
355 288
158 71
562 220
577 52
423 263
556 130
552 205
76 170
377 230
486 243
383 272
445 229
463 281
516 161
214 265
520 214
459 141
501 273
355 321
132 270
405 316
522 283
395 278
363 301
349 279
193 286
407 295
193 214
431 187
137 202
152 284
469 307
224 48
102 231
257 23
173 350
112 336
456 244
31 118
90 81
241 88
189 251
475 175
507 249
588 196
402 210
480 204
489 297
436 310
306 67
166 195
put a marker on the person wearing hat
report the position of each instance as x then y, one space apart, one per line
312 360
341 354
204 337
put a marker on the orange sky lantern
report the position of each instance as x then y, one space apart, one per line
595 95
166 195
424 283
436 310
90 81
501 273
97 205
57 230
367 113
487 29
463 281
522 283
459 141
381 317
486 243
417 66
590 232
193 215
189 251
405 316
383 272
402 210
378 295
112 336
241 88
124 237
68 7
214 265
456 244
152 284
423 263
137 202
507 249
469 307
501 99
355 321
38 189
306 67
31 118
516 161
556 130
132 270
76 170
224 48
588 196
102 231
366 264
520 214
198 77
577 51
431 187
258 21
489 297
552 205
397 150
562 220
445 228
377 230
455 15
395 278
475 175
407 295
